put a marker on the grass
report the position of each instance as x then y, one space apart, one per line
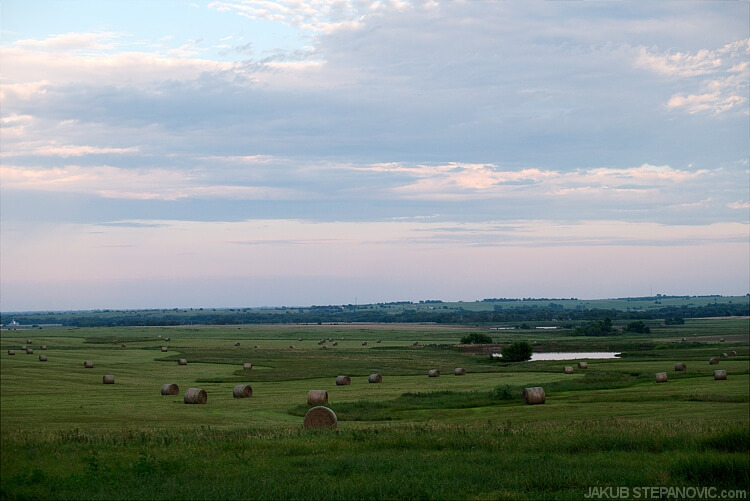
64 435
487 461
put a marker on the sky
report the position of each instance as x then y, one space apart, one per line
259 153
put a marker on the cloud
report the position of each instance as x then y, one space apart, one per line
679 64
312 15
134 184
721 76
72 42
467 108
65 151
456 181
713 102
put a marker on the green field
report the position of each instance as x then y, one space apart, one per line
65 435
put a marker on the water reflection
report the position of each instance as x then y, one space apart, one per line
555 355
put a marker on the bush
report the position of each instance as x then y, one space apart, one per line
506 392
476 338
516 352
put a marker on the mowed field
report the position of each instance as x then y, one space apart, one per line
65 435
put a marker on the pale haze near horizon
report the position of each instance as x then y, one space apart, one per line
224 154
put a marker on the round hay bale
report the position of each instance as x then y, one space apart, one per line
720 375
335 343
42 358
415 343
291 347
167 339
242 391
159 336
123 346
164 349
108 379
733 353
170 389
43 347
29 351
459 371
568 369
114 341
433 373
182 361
683 340
720 340
583 365
375 378
256 347
680 367
237 343
195 396
534 396
343 381
23 347
320 417
723 355
88 364
321 342
364 343
324 347
11 352
713 361
661 377
300 340
247 366
28 341
317 397
377 341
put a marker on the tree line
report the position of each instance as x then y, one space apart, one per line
333 314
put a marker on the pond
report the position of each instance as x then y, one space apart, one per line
557 355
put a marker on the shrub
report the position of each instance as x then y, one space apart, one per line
519 351
506 392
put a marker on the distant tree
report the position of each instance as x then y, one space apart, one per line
597 328
476 338
638 327
519 351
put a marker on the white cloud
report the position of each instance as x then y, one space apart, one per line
65 151
72 42
720 76
713 102
29 72
135 184
320 16
679 64
456 181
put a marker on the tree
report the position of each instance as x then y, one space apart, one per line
638 327
476 338
519 351
597 328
